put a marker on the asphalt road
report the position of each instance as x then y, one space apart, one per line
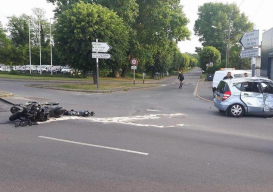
159 139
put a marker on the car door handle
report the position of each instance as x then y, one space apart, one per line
246 94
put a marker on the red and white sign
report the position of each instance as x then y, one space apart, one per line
134 61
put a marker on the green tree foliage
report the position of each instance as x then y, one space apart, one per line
213 23
4 46
159 23
18 29
193 62
236 61
185 61
154 27
207 55
128 11
82 24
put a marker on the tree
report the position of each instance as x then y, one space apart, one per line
207 55
185 61
160 22
128 10
18 28
4 46
213 23
154 27
236 61
80 25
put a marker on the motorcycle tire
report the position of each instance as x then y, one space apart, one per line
14 116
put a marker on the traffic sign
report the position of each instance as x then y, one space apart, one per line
100 47
248 53
134 61
133 67
101 55
250 39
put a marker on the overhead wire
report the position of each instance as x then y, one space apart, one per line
241 3
253 17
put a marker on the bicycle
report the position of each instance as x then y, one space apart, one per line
180 85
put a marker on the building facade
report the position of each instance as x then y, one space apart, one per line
267 54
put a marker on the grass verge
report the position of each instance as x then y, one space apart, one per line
103 87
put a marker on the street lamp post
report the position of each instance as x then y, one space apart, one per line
29 47
50 47
40 47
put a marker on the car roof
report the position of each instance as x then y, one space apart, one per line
248 79
233 71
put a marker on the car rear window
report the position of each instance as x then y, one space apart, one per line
222 87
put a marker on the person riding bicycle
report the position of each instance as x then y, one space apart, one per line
181 79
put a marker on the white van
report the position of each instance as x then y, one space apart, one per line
219 75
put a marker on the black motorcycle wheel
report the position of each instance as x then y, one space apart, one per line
14 116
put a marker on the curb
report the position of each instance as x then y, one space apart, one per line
199 97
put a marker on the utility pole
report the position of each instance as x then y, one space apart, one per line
228 45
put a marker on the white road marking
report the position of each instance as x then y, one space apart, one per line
164 85
97 146
173 83
134 121
152 110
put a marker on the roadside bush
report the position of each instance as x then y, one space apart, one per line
104 72
211 70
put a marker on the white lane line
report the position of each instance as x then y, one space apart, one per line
91 145
152 110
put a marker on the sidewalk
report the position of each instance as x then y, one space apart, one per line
205 90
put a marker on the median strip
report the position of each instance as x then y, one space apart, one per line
92 145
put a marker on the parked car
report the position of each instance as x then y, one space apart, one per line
32 67
66 70
219 75
43 68
56 69
5 68
239 96
2 67
21 68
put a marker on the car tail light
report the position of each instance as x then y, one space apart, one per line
227 94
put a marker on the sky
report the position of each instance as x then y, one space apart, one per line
258 11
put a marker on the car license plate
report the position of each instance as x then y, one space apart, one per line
218 97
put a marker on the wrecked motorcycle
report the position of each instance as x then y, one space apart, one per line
32 112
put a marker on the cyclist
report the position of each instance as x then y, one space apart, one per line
181 78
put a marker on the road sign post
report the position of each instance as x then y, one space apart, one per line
97 61
134 62
250 40
248 53
100 47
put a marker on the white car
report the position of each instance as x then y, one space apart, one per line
2 67
219 75
28 67
66 70
43 68
56 69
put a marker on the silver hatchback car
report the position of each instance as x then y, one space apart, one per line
252 95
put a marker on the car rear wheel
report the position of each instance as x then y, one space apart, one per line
236 110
